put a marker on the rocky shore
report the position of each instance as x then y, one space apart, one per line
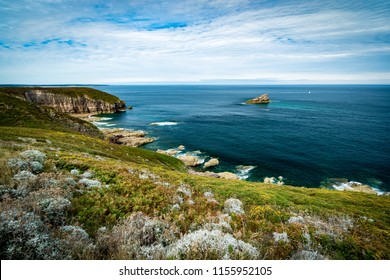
126 137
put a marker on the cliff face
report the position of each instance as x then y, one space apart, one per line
72 104
20 113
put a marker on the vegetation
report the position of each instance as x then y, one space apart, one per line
17 112
67 91
66 195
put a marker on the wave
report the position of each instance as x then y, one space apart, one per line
352 185
243 171
163 123
105 124
100 123
104 119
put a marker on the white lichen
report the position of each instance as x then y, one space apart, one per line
185 190
210 197
90 183
87 175
281 237
307 255
233 205
75 172
296 219
175 207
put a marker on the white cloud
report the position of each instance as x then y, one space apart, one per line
277 42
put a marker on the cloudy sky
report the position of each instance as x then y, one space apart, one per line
194 41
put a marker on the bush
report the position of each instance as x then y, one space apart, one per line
76 242
211 244
233 205
17 164
33 155
36 167
307 255
24 236
138 237
54 209
32 161
24 176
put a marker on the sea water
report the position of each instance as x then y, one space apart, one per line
307 134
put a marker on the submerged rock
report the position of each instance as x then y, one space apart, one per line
262 99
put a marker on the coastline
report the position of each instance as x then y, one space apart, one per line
196 161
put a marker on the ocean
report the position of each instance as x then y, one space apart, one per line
308 134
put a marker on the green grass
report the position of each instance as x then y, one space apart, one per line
267 207
67 91
19 113
340 225
78 143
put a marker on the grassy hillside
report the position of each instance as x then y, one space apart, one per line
64 195
114 184
67 91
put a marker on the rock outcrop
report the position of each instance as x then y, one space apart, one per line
126 137
211 162
190 160
262 99
75 100
228 175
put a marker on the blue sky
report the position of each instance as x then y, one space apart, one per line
194 41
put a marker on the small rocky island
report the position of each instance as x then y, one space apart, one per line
262 99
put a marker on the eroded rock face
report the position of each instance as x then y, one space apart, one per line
262 99
69 104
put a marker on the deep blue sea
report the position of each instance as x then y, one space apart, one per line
307 134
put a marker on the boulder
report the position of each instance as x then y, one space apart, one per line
228 175
211 162
269 180
190 160
127 137
262 99
358 187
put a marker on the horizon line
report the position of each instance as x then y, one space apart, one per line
191 84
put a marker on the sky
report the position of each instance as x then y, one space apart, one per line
194 41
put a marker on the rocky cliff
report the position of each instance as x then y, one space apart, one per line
75 100
20 113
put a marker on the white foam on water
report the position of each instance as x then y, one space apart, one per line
100 123
243 171
163 123
104 119
349 186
